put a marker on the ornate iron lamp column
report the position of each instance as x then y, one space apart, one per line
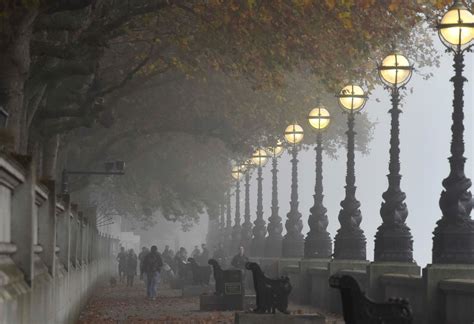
350 242
293 242
236 230
222 224
393 240
228 228
247 224
453 240
259 159
318 241
274 239
246 234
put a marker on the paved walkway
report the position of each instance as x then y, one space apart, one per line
121 304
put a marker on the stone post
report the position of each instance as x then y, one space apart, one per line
64 233
22 227
47 228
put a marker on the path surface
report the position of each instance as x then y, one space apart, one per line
121 304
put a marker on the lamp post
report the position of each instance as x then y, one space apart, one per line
393 240
228 228
293 242
274 239
259 159
318 241
222 237
453 240
350 242
246 236
237 173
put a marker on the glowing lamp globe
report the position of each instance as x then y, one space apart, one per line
457 26
395 70
319 118
294 134
237 172
277 150
260 157
352 98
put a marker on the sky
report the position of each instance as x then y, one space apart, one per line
425 135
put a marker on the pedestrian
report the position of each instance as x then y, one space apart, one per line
151 268
131 268
240 259
141 257
122 263
196 253
204 255
180 260
220 255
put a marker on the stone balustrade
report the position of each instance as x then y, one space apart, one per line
51 253
442 294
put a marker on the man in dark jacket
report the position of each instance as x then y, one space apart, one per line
122 263
141 257
240 259
204 257
151 268
131 269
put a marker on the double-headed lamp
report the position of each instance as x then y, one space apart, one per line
259 157
276 150
352 98
319 118
294 133
457 26
395 70
238 172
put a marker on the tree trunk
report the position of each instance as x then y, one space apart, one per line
14 69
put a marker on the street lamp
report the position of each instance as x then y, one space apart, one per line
350 242
228 227
393 240
453 240
318 241
110 168
246 234
293 242
259 159
274 228
237 173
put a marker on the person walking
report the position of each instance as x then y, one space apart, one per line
151 268
220 255
141 257
204 255
122 263
131 268
240 259
196 253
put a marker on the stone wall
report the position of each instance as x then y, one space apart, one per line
51 254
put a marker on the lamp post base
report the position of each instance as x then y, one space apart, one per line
393 244
273 246
257 248
453 243
350 245
318 245
292 247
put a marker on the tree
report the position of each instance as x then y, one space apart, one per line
244 70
